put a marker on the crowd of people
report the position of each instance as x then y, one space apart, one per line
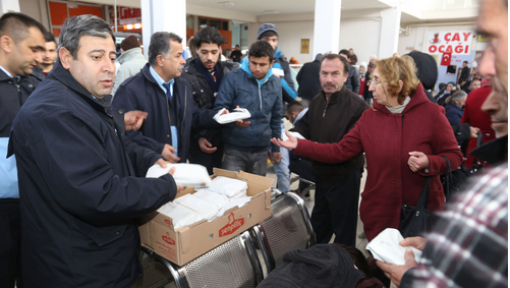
80 133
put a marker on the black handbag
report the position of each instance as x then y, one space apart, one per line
416 221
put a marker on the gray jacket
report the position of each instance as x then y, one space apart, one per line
352 82
132 61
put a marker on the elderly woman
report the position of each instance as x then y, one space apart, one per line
455 107
403 136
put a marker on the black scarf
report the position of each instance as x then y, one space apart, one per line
215 85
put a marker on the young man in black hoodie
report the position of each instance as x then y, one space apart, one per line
205 74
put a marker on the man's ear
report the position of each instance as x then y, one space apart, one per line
6 43
65 58
160 59
271 64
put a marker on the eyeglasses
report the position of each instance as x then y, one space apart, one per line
376 82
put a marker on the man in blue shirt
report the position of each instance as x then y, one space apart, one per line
22 42
158 90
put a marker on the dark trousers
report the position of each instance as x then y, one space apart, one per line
304 169
10 242
336 209
254 162
210 161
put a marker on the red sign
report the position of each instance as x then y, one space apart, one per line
167 239
454 42
232 226
446 59
126 12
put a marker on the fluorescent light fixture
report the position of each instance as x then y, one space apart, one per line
72 4
271 12
227 3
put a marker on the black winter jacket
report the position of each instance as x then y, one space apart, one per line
79 196
142 92
309 80
12 96
204 96
328 123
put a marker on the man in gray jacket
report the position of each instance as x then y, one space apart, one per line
131 60
352 82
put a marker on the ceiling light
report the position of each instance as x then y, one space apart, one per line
227 3
271 12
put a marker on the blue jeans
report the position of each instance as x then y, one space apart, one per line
254 162
282 171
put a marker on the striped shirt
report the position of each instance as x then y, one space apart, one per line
469 245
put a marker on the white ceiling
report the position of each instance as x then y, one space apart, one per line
248 10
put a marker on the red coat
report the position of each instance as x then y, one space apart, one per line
387 140
474 115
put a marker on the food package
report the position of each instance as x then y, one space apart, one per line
385 247
239 114
185 174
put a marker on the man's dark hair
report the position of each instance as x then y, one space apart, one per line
209 35
48 37
160 45
15 25
345 52
76 27
237 45
260 49
295 106
332 56
465 62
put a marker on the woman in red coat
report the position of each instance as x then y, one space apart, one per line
403 136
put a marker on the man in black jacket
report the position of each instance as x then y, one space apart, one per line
21 43
309 80
236 54
80 194
158 90
331 115
352 82
464 75
204 74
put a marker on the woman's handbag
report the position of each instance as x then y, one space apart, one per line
416 221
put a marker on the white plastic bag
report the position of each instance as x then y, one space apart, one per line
385 247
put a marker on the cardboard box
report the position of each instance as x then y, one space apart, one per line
187 243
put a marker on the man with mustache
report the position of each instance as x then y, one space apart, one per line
331 114
80 191
21 43
205 74
167 98
469 246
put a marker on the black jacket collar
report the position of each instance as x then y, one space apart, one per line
494 152
335 97
64 76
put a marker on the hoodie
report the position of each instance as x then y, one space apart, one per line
263 98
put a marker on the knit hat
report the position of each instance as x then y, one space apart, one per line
322 265
426 68
129 42
266 27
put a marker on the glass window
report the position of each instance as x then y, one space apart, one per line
189 22
202 23
215 23
225 25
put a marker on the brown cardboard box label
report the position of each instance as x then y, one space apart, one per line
169 223
168 239
232 226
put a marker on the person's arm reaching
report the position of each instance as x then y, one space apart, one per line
346 149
